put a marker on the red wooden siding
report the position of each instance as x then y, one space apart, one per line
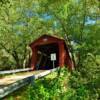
64 57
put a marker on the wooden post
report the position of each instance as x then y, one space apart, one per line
61 54
34 58
69 61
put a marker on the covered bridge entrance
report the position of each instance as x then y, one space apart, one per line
44 47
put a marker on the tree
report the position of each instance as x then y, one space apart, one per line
24 21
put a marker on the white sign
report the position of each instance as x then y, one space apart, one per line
53 56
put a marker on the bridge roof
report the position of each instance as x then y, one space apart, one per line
46 39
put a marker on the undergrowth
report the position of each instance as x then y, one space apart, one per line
64 86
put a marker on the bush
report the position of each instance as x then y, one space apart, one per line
64 86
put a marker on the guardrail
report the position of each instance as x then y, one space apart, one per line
30 79
15 71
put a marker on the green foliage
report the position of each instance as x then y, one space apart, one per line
76 21
63 85
84 87
47 88
51 87
21 22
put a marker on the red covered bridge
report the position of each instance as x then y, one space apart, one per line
43 47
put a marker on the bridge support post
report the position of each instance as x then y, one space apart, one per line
61 54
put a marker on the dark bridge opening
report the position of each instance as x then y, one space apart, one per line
44 56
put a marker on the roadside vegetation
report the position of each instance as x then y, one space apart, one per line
60 85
